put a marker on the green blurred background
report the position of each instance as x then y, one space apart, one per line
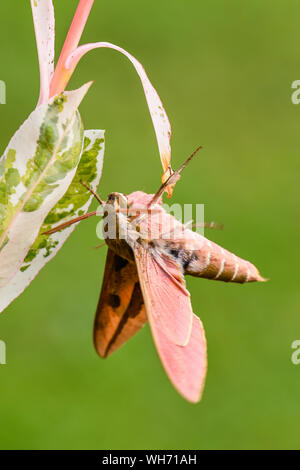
223 69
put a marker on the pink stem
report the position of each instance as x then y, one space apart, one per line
62 75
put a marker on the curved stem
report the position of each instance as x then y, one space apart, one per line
62 75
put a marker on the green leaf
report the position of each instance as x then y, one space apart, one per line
36 170
74 202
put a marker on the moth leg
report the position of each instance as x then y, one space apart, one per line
92 192
69 222
101 245
172 180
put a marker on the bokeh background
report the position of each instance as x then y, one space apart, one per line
224 70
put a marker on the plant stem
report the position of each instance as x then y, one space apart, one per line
62 75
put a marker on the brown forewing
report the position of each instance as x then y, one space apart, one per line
120 312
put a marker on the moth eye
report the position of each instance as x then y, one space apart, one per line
138 228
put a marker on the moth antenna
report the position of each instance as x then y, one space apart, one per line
70 222
92 192
188 160
173 178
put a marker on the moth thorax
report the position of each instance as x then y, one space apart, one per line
115 206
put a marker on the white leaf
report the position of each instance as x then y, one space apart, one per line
158 114
44 26
35 172
74 202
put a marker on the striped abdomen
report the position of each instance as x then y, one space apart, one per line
201 257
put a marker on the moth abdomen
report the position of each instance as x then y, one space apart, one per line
211 261
222 265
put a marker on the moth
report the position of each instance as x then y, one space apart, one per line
149 253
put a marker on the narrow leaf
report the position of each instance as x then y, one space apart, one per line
44 26
158 114
74 202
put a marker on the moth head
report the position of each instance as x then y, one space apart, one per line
118 201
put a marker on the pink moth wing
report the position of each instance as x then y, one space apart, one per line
171 301
162 281
163 295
